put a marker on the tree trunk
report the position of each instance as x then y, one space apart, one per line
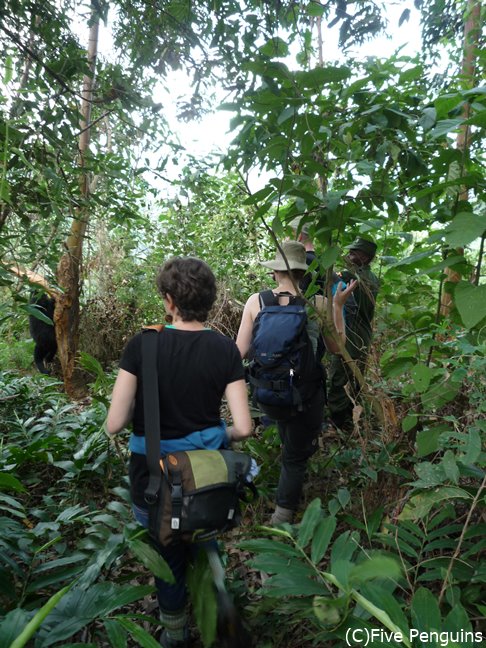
471 41
66 316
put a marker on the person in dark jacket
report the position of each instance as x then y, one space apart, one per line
359 332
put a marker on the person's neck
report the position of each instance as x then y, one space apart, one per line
285 285
192 325
309 246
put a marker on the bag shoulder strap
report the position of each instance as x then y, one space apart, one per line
269 298
151 413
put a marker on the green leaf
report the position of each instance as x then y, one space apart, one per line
286 585
457 620
328 610
429 474
265 545
203 597
425 611
288 112
278 564
152 560
397 366
344 547
116 633
470 301
312 515
9 482
8 70
378 595
465 228
409 422
315 9
322 537
428 440
428 118
473 447
316 78
11 624
450 466
275 47
376 567
421 376
37 312
80 607
34 624
141 636
445 126
329 257
478 119
419 505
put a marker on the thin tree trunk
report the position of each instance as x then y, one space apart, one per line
66 316
471 42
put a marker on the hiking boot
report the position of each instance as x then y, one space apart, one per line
281 515
167 642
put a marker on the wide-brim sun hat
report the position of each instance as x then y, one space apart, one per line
294 252
297 225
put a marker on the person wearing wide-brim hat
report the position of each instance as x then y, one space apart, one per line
298 428
359 331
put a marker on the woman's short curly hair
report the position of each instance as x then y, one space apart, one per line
191 284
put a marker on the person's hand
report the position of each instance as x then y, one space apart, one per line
343 292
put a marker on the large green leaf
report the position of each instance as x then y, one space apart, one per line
286 585
322 537
116 633
470 301
36 621
445 126
419 505
465 228
375 567
203 597
11 625
312 515
9 482
425 611
266 545
316 78
421 376
278 564
152 560
428 439
275 47
81 607
141 636
383 599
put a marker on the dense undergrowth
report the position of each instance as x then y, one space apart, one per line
391 539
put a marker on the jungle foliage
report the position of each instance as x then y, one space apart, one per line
393 533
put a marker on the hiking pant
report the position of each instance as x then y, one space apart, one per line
299 433
177 555
339 375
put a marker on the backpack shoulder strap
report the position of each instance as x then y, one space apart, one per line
154 327
267 298
151 413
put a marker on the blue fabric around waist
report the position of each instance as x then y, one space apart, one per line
211 438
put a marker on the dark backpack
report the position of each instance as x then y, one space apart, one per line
283 363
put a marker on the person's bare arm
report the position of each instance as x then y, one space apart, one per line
340 298
250 311
237 398
122 402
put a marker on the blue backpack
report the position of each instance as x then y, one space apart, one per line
283 364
